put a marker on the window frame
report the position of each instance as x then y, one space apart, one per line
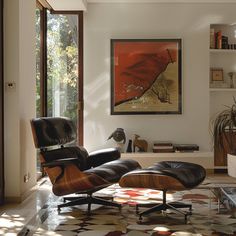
2 184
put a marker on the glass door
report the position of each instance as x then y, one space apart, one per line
62 65
59 65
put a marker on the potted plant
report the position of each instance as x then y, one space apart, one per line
224 132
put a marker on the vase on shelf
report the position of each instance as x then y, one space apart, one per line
231 79
129 147
231 164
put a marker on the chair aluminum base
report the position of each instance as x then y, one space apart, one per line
164 206
73 201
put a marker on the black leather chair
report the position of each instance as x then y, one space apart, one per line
166 176
70 168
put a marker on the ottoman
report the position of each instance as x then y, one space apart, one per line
166 176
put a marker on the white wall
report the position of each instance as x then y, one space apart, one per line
187 21
19 56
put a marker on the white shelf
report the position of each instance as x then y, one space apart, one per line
222 89
146 159
222 50
167 154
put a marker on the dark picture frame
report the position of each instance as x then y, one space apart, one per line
146 76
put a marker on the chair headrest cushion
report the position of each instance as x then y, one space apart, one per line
50 131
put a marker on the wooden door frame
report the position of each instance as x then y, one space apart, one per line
2 185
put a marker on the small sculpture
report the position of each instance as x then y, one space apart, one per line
129 147
118 135
141 144
231 76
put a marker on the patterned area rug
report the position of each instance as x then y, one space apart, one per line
106 221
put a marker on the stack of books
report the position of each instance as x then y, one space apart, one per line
186 147
163 146
217 40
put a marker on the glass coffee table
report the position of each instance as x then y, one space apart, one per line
227 197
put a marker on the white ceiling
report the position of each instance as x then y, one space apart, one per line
68 5
82 4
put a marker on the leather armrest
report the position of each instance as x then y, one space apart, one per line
59 162
102 156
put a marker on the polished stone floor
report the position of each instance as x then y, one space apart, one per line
13 217
38 215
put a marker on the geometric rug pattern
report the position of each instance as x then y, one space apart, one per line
206 220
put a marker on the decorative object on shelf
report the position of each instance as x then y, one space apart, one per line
217 78
141 144
146 76
217 74
119 136
129 147
231 163
231 79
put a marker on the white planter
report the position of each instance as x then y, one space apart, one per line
231 162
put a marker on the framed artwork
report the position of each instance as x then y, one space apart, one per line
146 76
217 74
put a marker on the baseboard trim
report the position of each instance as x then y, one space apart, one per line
22 197
12 200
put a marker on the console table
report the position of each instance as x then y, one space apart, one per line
146 159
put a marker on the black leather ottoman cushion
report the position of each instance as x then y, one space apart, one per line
189 174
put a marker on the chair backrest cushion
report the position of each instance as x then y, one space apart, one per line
50 131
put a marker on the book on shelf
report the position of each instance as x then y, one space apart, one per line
186 147
225 42
162 143
163 146
163 150
219 40
212 38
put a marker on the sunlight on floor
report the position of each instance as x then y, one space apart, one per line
11 223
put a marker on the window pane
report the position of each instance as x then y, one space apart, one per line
62 65
38 49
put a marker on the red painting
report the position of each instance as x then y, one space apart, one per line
146 76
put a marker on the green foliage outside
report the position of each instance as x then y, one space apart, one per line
37 62
62 66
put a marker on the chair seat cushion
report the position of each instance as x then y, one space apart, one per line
114 170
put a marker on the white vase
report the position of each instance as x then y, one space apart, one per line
231 162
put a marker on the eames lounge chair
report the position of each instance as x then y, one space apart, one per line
70 168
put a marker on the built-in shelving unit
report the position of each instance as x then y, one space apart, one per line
222 89
222 53
146 159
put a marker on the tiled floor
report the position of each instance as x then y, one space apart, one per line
37 215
